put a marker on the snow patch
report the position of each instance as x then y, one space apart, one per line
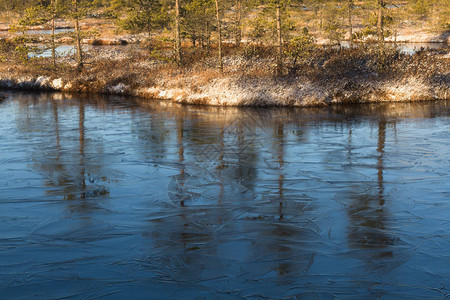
43 81
256 92
68 86
118 89
57 84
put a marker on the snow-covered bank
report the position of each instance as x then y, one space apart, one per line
327 77
231 91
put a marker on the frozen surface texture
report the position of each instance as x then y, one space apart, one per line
102 197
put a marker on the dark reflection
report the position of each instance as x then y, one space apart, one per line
180 134
280 154
243 150
71 175
380 150
184 238
82 158
246 160
221 164
56 121
289 261
152 134
370 228
160 200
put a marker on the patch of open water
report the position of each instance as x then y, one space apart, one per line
409 48
114 197
49 31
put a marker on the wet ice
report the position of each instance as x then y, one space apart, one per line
120 197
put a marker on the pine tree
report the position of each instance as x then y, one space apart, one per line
53 5
141 15
198 21
279 39
219 32
380 22
76 17
177 33
350 7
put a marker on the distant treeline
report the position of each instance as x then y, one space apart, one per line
289 25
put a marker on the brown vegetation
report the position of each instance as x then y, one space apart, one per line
327 75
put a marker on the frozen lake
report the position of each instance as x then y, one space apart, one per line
125 198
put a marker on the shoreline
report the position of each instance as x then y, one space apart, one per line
268 92
326 77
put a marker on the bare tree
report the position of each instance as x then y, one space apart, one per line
177 33
53 5
279 40
380 23
219 32
78 36
350 25
238 35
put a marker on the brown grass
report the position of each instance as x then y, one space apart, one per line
346 73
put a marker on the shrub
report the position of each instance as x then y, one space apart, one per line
299 48
251 51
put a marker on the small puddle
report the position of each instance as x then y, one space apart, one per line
48 31
413 48
61 51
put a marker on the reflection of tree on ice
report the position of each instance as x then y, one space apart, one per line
182 188
209 174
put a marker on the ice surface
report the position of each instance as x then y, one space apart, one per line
117 198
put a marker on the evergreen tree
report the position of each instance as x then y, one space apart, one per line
198 22
219 33
177 32
141 15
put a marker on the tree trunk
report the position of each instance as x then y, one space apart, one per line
321 18
177 32
78 37
219 31
53 6
350 26
206 34
238 23
82 162
380 25
279 41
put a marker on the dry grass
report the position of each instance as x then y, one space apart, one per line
327 76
